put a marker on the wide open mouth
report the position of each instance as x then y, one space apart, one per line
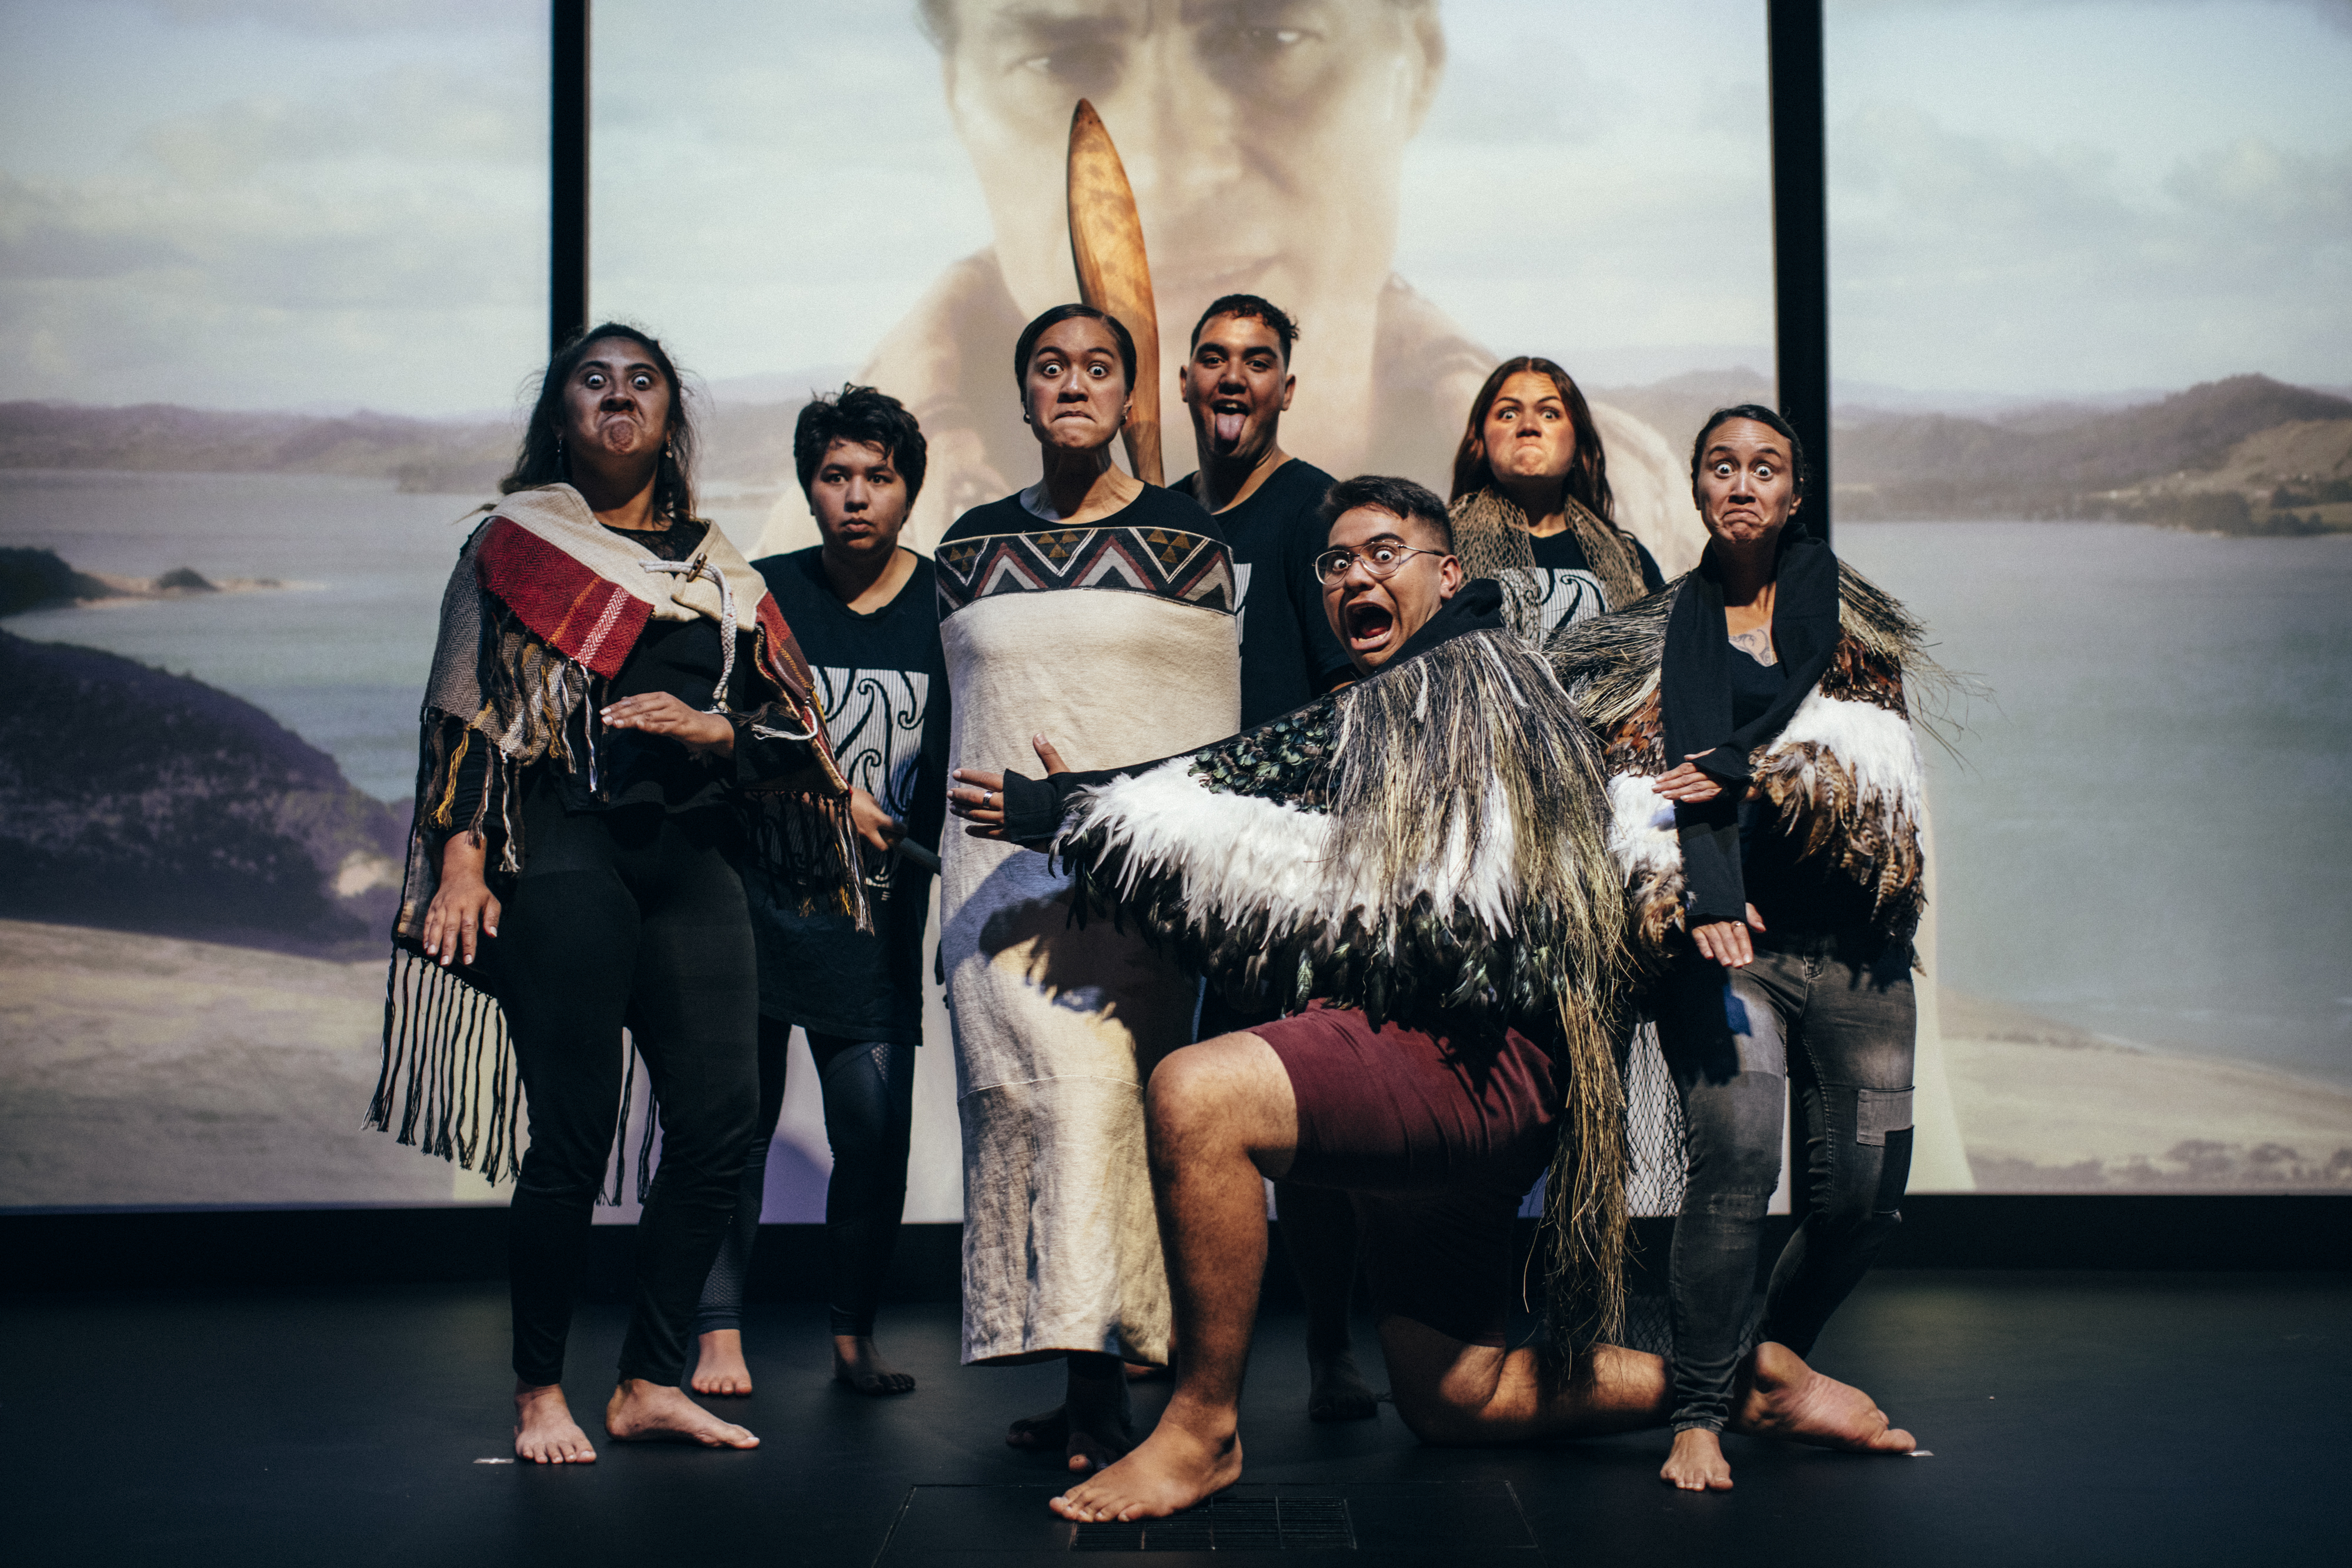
1370 625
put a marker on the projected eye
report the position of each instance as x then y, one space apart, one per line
1092 70
1253 54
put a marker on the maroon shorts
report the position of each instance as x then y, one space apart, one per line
1437 1144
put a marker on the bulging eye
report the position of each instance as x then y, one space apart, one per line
1384 555
1097 372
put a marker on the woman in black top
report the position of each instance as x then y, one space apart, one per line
611 676
1766 793
1531 506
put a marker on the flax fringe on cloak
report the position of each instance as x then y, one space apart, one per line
542 613
1434 837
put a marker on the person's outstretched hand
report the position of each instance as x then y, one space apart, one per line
978 796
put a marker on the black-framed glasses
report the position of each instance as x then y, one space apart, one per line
1379 560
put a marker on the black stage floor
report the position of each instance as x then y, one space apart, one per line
2077 1419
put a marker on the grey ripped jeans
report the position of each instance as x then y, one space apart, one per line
1841 1019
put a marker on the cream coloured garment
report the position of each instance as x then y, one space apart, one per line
1057 1027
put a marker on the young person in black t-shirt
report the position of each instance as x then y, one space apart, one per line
866 615
1237 385
1531 506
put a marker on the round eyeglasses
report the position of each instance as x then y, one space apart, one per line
1379 560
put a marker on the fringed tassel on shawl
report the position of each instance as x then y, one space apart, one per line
809 854
447 1070
648 1140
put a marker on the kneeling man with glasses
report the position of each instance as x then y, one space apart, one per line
1416 870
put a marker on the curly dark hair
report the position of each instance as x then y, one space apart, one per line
541 460
860 415
1587 471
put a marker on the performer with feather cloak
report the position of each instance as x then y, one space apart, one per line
1766 795
613 686
1417 868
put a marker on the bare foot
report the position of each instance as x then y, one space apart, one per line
1048 1431
1174 1468
1336 1391
1697 1463
545 1433
643 1412
856 1363
1099 1416
719 1363
1786 1398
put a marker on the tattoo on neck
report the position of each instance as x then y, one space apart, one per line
1757 644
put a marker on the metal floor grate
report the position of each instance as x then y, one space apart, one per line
1231 1523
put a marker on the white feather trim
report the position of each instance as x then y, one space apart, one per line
1237 856
1875 746
1642 828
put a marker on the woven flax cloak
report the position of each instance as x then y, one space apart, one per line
1433 839
541 613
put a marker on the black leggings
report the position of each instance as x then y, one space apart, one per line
870 1098
632 917
1840 1021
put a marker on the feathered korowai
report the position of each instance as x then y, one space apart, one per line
1844 774
1432 840
539 616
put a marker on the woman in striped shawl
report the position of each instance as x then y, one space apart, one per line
611 687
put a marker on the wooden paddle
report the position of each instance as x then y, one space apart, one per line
1107 245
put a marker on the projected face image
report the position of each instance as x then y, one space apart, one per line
1263 140
1265 144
